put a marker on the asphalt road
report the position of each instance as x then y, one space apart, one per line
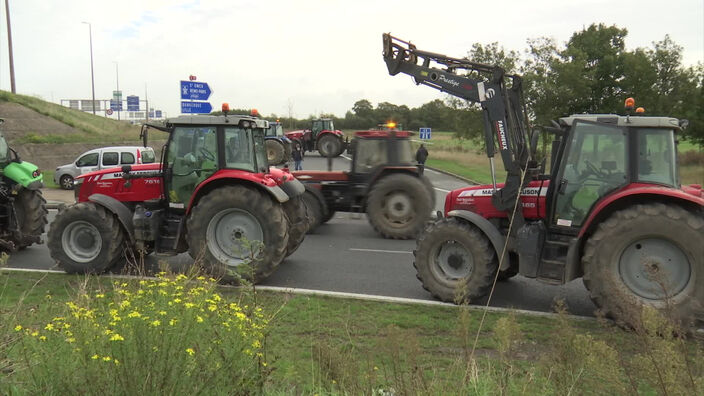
347 255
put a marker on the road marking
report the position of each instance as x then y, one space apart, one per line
380 251
346 157
440 189
355 296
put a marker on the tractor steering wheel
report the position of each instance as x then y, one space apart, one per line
593 169
207 154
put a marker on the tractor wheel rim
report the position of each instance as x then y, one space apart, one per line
233 236
453 261
655 268
67 182
81 241
398 208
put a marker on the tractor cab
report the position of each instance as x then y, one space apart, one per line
323 124
377 149
605 153
200 146
278 146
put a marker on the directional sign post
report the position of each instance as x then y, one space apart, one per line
133 103
196 107
194 90
425 133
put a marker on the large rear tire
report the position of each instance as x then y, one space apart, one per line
647 255
399 206
275 152
85 238
226 227
455 261
295 211
30 207
330 146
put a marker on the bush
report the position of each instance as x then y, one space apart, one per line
170 335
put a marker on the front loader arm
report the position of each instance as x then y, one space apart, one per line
504 116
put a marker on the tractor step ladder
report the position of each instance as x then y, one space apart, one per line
551 268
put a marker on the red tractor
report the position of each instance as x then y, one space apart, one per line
382 181
213 195
611 210
322 136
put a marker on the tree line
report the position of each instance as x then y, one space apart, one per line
592 72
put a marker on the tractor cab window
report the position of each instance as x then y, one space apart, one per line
369 153
191 158
4 150
238 149
594 166
275 130
656 156
405 152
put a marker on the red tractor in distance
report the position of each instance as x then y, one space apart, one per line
611 210
322 136
213 195
383 182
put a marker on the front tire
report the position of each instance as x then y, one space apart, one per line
275 152
85 238
295 211
647 255
398 206
226 227
66 182
314 210
330 146
455 261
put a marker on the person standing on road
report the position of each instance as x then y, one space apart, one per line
421 156
297 156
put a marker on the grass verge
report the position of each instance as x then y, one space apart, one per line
315 345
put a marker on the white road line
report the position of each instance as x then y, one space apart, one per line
381 251
346 157
440 189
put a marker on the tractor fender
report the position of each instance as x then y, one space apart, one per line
124 214
293 187
497 239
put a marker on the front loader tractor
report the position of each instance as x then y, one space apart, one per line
23 213
213 195
611 209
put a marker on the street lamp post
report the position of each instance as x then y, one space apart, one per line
92 78
119 94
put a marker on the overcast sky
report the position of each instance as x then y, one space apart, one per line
307 56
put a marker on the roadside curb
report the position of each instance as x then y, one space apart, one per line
353 296
454 175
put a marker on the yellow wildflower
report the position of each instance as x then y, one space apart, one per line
189 305
155 323
18 328
134 314
95 357
199 319
125 304
42 338
162 313
116 337
190 351
212 308
107 358
49 327
172 322
34 333
101 295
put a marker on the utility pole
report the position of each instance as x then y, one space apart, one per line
119 94
9 46
92 79
146 101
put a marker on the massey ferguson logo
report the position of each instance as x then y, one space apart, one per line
501 131
449 81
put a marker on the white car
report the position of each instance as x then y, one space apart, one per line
101 158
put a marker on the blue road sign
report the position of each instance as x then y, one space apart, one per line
133 103
157 113
115 105
425 133
196 107
194 90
